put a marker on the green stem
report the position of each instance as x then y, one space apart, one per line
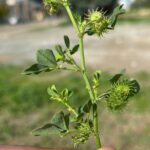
71 109
72 18
92 95
84 74
96 128
68 69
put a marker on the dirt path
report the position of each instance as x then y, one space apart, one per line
126 47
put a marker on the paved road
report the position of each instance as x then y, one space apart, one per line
126 47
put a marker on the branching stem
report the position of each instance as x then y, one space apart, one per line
85 77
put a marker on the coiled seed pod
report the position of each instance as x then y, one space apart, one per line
98 22
121 92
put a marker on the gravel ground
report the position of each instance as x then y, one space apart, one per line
128 46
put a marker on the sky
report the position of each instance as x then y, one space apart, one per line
127 3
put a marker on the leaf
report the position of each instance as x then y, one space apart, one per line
47 129
116 77
52 91
66 93
90 32
67 41
96 77
135 87
77 17
59 50
59 124
59 120
67 120
46 57
117 11
83 110
35 69
87 107
75 49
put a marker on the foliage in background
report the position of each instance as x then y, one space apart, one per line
21 98
84 5
4 10
141 4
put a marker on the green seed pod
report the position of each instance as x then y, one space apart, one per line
95 16
98 22
120 93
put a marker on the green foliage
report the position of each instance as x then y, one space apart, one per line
67 41
46 58
46 62
4 10
113 19
141 4
84 5
84 119
59 124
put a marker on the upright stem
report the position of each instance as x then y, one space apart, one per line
84 71
91 93
84 74
96 128
72 18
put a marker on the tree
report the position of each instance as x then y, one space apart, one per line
4 10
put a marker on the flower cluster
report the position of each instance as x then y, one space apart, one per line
98 22
83 135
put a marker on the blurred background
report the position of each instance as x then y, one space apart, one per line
24 102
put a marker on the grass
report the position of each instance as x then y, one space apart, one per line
25 104
134 20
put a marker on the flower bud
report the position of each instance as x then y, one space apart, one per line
52 9
52 5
